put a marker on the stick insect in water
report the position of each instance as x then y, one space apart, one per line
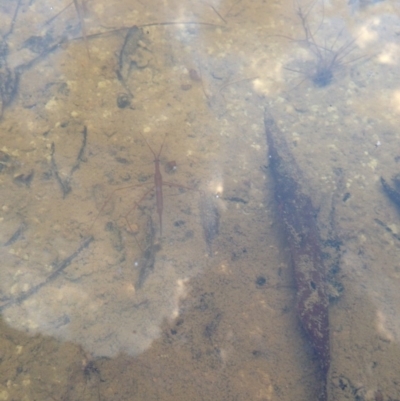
159 183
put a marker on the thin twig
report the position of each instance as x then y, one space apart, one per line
236 82
58 269
83 26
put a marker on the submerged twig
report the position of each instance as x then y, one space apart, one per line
58 269
83 26
14 18
65 183
235 82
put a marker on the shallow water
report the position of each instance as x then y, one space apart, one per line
207 321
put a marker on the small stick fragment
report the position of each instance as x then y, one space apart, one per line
210 217
216 12
236 82
65 184
83 26
148 256
16 235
